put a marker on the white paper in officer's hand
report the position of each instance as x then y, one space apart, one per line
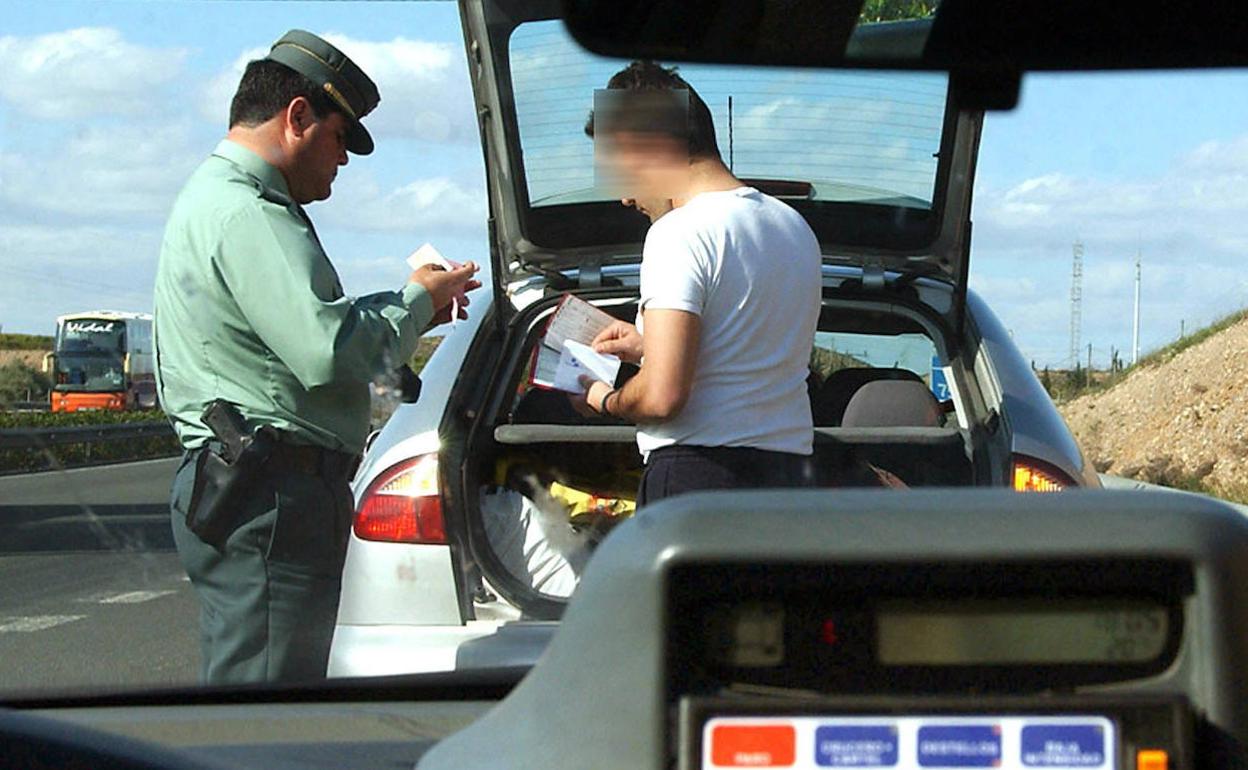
428 255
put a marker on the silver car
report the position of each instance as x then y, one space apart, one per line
478 506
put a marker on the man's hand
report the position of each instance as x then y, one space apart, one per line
445 285
620 339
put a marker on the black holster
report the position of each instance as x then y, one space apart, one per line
223 476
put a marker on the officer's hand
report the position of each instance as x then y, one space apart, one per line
445 285
620 339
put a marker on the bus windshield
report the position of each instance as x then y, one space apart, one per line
90 371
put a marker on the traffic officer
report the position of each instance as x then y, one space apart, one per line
250 311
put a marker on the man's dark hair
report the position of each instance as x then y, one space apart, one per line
651 76
267 87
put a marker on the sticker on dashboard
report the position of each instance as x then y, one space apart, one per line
856 746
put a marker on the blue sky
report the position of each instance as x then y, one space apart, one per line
106 107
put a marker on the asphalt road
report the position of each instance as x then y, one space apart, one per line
92 596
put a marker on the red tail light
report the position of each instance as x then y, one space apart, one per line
1032 475
403 505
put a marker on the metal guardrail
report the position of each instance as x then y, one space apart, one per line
38 442
27 406
34 438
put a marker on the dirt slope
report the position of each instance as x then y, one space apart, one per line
33 358
1182 423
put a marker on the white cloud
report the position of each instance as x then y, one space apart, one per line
854 139
1188 224
424 87
436 204
103 171
1202 200
219 90
49 270
80 250
83 72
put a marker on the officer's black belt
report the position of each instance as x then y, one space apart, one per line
312 461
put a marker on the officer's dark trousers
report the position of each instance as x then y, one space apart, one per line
269 602
675 470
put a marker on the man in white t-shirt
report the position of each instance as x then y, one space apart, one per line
730 295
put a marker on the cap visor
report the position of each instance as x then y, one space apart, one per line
359 141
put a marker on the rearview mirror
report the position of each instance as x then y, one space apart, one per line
948 35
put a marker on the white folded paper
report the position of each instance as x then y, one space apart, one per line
428 255
578 359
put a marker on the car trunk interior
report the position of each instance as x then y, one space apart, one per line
545 484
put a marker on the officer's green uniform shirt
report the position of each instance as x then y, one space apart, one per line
250 310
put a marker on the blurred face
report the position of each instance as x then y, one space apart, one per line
647 170
318 152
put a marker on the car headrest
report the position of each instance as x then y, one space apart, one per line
892 404
828 404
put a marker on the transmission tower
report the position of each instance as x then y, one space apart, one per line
1076 302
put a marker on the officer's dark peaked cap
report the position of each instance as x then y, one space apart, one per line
344 82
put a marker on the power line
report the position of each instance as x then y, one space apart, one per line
75 282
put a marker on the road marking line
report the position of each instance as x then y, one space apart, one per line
36 623
135 597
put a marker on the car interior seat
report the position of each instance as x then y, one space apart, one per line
893 404
828 403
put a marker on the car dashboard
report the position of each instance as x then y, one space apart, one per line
875 629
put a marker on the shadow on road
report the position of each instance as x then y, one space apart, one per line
63 528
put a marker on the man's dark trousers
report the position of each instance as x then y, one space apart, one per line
269 602
676 470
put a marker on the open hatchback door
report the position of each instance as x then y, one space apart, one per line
880 163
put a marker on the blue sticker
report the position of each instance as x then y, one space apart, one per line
856 746
940 385
960 746
1063 745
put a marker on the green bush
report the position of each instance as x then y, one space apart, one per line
1066 386
1167 353
63 419
25 342
69 455
19 382
896 10
423 351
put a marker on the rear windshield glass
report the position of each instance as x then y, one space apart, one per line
862 137
842 362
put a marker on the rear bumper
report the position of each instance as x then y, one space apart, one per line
386 650
72 401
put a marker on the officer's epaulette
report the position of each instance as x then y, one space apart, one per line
275 196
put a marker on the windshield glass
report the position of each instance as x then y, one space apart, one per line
858 137
110 109
842 350
89 370
107 110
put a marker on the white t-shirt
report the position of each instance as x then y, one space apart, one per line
749 266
